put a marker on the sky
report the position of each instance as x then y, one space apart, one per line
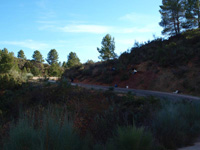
76 25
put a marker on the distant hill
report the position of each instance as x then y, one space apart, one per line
162 65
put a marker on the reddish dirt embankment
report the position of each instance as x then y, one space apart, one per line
152 77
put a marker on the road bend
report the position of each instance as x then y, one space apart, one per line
162 95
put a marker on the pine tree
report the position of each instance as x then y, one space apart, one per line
52 57
73 60
6 61
64 64
21 54
37 56
107 48
172 12
192 14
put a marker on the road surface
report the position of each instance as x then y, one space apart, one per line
162 95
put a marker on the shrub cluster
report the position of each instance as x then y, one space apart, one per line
177 124
52 131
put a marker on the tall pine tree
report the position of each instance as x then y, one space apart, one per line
172 12
73 60
37 56
21 54
52 57
107 48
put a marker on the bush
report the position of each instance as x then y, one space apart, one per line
177 124
8 82
49 134
35 71
131 138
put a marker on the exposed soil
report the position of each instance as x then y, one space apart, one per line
152 77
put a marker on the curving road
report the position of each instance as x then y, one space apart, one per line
162 95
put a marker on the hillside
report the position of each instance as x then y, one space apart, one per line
162 65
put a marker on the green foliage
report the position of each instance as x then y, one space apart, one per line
37 56
7 81
51 134
192 15
21 54
55 70
179 14
107 48
73 60
131 138
52 57
35 71
6 61
90 62
64 64
177 124
172 12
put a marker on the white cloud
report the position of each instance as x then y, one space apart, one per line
98 29
27 44
86 29
138 18
78 27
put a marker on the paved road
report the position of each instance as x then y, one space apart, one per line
196 146
163 95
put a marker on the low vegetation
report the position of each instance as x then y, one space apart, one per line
49 116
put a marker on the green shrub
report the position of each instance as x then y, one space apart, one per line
177 124
35 71
8 82
23 136
52 134
131 138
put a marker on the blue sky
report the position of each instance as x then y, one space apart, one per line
76 25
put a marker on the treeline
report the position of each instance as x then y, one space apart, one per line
179 15
54 67
16 70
